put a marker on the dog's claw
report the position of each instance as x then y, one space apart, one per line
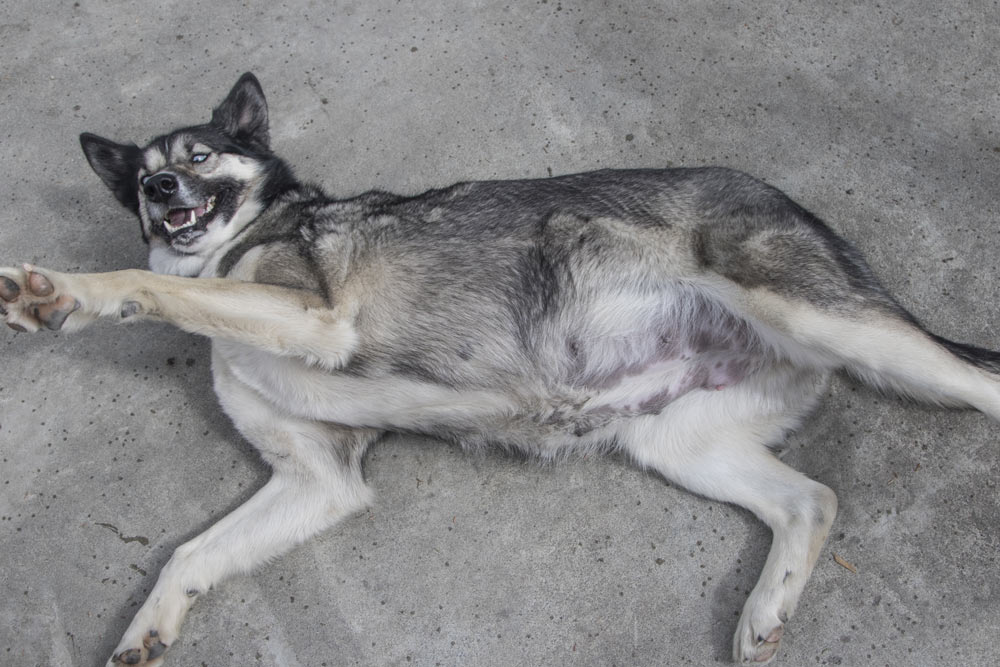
765 648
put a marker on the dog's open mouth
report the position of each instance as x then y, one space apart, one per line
179 220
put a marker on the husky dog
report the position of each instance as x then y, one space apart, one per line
687 318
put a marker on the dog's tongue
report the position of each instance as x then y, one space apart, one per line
180 216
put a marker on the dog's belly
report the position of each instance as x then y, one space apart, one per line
525 415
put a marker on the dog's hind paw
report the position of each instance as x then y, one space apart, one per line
149 654
757 648
30 300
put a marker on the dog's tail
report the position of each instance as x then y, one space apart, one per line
987 360
820 303
888 349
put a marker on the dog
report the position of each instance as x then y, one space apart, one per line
687 318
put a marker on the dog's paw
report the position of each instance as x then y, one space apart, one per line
761 626
757 646
30 299
149 652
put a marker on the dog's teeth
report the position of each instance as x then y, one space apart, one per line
192 218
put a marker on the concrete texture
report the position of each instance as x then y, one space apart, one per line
884 120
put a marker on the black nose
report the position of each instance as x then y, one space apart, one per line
159 187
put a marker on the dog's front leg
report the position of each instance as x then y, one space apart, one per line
279 320
317 481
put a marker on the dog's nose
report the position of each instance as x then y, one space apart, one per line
159 187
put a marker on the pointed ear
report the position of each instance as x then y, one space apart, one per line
243 114
117 165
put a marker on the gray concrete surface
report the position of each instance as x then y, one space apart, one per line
884 120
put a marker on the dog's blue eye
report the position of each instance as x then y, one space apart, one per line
199 157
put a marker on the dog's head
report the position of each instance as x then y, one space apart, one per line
195 188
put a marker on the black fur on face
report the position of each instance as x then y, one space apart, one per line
243 114
239 125
117 165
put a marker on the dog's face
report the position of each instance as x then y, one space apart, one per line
196 187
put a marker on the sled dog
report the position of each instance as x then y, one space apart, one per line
687 318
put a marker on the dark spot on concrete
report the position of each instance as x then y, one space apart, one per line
144 541
629 137
189 362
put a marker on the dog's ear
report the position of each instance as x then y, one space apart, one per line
243 114
117 165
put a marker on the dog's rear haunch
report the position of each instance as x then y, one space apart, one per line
688 318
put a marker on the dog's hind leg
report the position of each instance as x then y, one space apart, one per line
885 348
715 443
825 306
280 320
317 480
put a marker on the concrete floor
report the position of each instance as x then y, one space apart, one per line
884 120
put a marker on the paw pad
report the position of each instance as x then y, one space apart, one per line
152 648
9 290
39 284
129 657
29 300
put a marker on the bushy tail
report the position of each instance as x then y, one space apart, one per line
892 352
987 360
